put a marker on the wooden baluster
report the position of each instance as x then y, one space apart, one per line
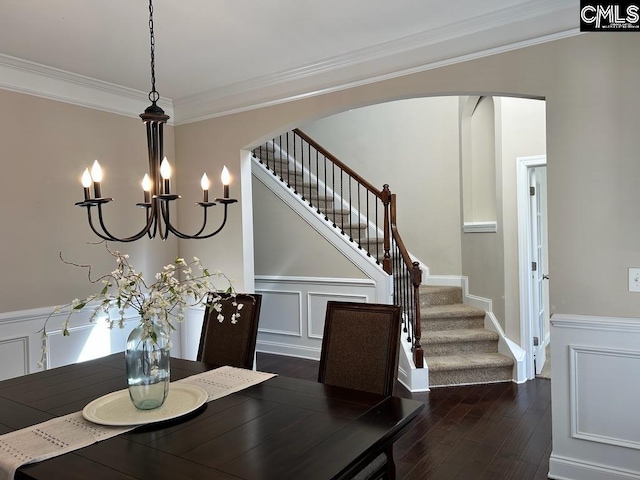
387 199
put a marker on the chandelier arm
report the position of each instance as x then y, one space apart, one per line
204 223
90 219
224 222
197 236
179 234
164 211
152 219
167 223
112 237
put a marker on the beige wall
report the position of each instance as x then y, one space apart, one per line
285 245
482 252
490 260
412 146
479 169
589 85
523 128
44 147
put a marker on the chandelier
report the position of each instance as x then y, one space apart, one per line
156 184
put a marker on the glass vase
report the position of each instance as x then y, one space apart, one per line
147 360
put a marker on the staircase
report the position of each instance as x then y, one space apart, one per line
457 348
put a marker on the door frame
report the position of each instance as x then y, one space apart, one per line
524 256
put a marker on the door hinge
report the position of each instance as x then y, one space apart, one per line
532 191
536 341
534 266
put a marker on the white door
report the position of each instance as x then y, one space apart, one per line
539 302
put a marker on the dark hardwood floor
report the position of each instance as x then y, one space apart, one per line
495 431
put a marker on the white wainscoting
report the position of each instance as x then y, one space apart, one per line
21 340
293 311
595 392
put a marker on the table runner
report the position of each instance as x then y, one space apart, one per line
71 432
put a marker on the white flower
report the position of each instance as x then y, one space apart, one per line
167 297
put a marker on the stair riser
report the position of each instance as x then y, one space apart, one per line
431 297
458 348
470 376
338 218
432 325
357 232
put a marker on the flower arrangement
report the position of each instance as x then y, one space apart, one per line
178 286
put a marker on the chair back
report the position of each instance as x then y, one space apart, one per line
360 346
225 343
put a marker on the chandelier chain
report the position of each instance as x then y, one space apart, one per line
154 96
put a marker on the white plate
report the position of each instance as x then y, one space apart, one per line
116 409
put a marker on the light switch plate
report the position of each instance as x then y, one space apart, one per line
634 279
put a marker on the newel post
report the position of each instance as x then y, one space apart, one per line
416 280
386 201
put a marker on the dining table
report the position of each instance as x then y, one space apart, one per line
281 428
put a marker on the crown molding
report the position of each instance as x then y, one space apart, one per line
509 29
512 28
39 80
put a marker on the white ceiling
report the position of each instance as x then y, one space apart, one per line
217 56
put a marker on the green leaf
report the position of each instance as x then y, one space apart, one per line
104 290
65 333
80 306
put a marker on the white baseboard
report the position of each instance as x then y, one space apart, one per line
288 350
562 468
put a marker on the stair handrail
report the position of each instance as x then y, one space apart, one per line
337 161
415 277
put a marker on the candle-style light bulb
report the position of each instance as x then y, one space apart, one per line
146 187
165 169
226 180
165 173
86 178
96 171
96 175
86 183
205 184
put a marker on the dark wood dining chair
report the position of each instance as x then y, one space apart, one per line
360 351
225 343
